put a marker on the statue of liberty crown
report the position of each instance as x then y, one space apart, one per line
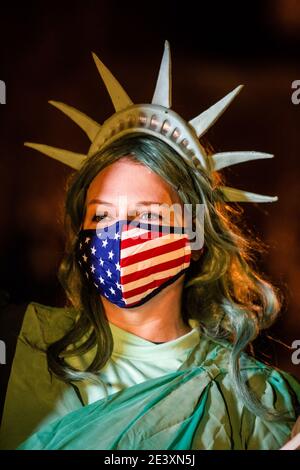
157 119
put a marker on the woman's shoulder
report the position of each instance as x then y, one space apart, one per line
266 380
45 324
275 389
220 352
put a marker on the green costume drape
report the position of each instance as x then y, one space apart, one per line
192 407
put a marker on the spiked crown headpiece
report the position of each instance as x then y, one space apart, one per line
157 119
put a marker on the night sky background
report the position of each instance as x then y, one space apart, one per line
45 53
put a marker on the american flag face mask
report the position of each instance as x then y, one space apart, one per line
129 262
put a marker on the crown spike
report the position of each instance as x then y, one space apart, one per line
163 90
238 195
225 159
117 94
87 124
72 159
206 119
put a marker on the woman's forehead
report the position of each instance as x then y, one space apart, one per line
131 179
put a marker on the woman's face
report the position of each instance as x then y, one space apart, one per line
129 190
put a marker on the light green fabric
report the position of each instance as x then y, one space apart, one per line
177 395
133 361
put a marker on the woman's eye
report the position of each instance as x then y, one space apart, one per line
151 216
146 216
99 218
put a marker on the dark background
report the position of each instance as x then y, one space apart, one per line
45 53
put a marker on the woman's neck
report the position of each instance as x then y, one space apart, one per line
158 320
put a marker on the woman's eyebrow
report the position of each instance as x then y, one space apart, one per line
98 201
148 203
144 203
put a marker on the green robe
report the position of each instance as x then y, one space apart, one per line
192 407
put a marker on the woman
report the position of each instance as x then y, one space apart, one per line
150 351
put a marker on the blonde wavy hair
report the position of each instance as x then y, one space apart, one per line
222 290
